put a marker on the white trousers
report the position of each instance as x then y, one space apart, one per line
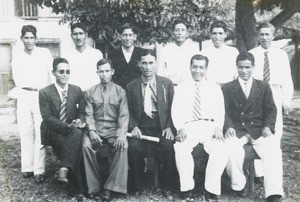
278 99
29 122
201 132
271 158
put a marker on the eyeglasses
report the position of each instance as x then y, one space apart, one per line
62 71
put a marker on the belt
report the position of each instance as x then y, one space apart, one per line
175 84
29 89
202 119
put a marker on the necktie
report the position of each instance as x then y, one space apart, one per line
197 105
147 101
266 68
63 107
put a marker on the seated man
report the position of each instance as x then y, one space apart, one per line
250 118
107 117
62 108
198 115
149 100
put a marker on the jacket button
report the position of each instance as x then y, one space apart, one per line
242 113
243 124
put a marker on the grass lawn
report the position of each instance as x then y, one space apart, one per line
15 188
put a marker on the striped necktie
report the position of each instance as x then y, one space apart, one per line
197 104
266 68
63 107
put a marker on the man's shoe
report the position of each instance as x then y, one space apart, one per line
105 194
259 180
39 178
187 195
27 174
210 197
244 192
274 198
79 197
94 196
62 175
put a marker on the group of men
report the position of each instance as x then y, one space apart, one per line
183 98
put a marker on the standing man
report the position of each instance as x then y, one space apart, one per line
107 117
250 118
198 115
31 69
221 57
62 108
272 66
82 59
125 58
149 99
175 56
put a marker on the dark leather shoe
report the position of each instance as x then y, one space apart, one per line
259 180
274 198
39 178
94 196
187 195
106 195
210 197
62 175
27 174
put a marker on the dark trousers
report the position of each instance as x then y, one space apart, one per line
68 148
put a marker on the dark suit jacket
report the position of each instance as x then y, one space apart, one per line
165 93
125 72
50 107
252 115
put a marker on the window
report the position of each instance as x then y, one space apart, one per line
25 9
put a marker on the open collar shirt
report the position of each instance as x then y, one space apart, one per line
127 53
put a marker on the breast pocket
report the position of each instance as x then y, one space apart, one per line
114 107
98 108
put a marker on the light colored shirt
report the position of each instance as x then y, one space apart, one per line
127 53
212 103
107 110
32 70
222 65
174 62
246 86
60 90
280 71
83 67
152 85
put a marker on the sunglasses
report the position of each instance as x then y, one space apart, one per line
64 71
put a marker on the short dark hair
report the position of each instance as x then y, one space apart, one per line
57 61
199 57
78 25
103 62
245 56
28 28
179 21
266 25
127 26
218 24
145 52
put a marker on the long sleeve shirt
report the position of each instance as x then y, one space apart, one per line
107 110
212 103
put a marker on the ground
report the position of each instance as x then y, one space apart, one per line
15 188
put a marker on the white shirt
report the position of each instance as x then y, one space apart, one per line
280 71
59 90
127 53
32 70
174 62
246 85
212 103
221 65
83 67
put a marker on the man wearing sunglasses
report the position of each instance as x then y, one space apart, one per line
62 107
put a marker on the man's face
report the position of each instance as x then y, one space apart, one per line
266 37
147 64
218 36
128 38
105 73
244 68
29 41
198 69
62 74
180 32
79 37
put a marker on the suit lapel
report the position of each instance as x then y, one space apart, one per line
161 94
134 55
139 93
122 57
55 98
238 92
254 92
70 99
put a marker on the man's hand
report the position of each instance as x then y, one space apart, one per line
218 134
76 123
95 139
136 133
181 135
120 143
168 134
266 132
286 110
230 133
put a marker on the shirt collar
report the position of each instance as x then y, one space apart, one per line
243 83
60 89
151 82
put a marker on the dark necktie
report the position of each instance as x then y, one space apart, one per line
197 105
266 68
63 107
